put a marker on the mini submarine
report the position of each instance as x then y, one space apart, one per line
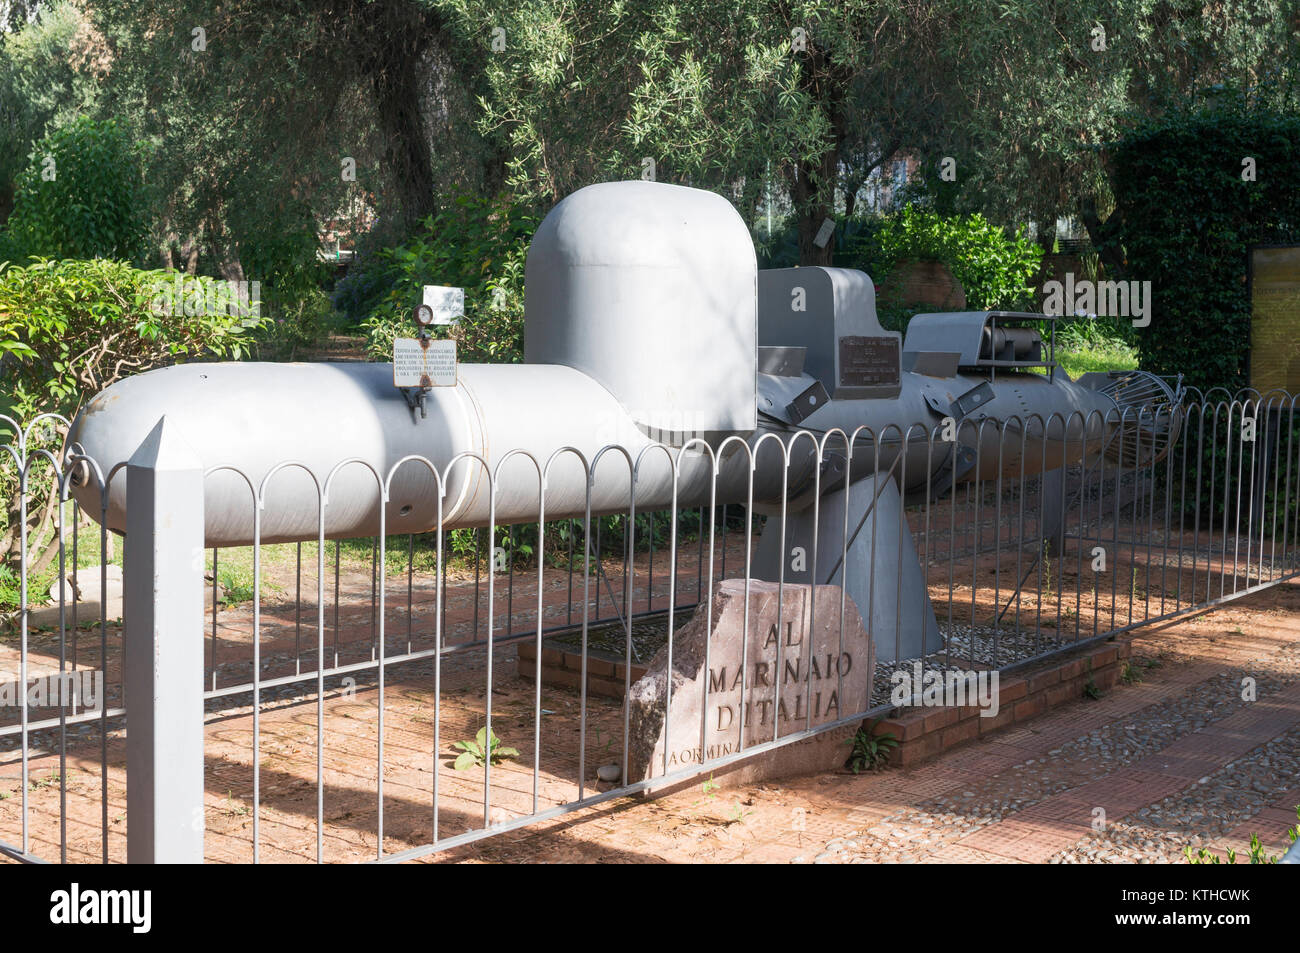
648 327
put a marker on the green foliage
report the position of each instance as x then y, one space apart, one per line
370 276
1185 218
10 588
235 584
718 95
737 814
517 547
1257 854
279 247
1096 344
996 271
475 754
70 328
585 93
301 322
852 239
871 750
47 75
79 197
1091 689
1210 471
1032 123
40 577
713 92
243 135
472 243
894 317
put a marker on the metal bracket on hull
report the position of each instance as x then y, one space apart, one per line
891 595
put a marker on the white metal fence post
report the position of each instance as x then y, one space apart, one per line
162 653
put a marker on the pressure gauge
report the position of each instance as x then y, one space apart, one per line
424 315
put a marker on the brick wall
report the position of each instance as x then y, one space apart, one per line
925 732
606 675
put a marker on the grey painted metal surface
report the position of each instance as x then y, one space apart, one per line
254 418
879 572
821 306
959 331
351 412
162 668
983 338
648 288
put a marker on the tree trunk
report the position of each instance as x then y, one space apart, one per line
224 250
815 177
814 197
494 171
1047 234
190 253
1103 237
397 86
6 202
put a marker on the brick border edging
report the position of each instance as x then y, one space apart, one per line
925 732
922 733
606 675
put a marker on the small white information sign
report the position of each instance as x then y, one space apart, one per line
448 304
426 363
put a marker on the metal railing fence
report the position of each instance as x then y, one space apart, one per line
380 652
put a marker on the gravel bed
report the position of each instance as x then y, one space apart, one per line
1208 809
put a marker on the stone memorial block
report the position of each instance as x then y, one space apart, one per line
823 670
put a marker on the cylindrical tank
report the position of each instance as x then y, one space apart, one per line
254 417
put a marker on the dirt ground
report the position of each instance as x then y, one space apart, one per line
1195 765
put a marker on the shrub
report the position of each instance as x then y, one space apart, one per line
79 197
472 243
280 248
995 270
297 324
70 328
1185 218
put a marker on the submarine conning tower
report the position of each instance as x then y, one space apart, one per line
649 289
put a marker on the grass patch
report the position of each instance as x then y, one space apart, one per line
1111 358
38 584
1083 346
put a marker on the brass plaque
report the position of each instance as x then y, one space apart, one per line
868 361
1275 319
